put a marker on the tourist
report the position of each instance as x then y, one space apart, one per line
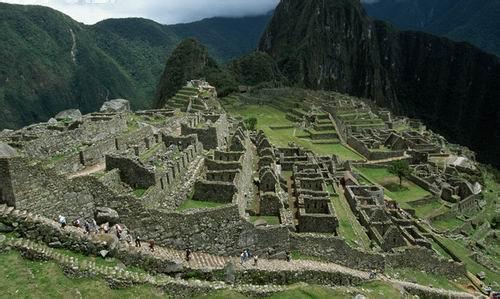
242 258
105 228
77 223
188 254
152 245
255 260
129 239
138 241
288 257
95 227
87 227
119 231
62 221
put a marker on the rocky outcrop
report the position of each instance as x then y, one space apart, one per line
70 114
334 45
106 215
116 106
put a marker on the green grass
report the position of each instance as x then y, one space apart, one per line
268 117
20 278
139 192
459 248
425 278
424 211
409 192
271 220
198 204
376 290
449 223
349 227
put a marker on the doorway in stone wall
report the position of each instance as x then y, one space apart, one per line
2 200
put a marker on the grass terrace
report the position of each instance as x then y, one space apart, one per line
197 204
402 194
268 117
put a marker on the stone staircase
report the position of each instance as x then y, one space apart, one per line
279 272
119 277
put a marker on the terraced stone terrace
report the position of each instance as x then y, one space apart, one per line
311 181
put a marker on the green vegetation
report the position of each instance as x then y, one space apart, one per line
349 227
115 58
459 248
399 168
257 68
382 176
375 290
22 278
189 60
271 220
425 278
198 204
269 116
139 192
251 123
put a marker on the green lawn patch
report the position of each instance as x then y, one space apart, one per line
349 227
139 192
268 117
198 204
407 193
425 278
21 278
459 248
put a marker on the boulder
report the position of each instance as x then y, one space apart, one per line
52 121
70 114
116 106
106 215
2 238
7 151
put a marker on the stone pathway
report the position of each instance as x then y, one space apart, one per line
199 261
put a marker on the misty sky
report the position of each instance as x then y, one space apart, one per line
162 11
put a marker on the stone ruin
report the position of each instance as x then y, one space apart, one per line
141 167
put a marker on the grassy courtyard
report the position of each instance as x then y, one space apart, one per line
197 204
269 117
407 193
349 227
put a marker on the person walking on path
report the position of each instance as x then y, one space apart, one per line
255 260
288 257
137 241
242 258
152 245
188 254
62 221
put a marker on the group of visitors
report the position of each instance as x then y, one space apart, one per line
246 255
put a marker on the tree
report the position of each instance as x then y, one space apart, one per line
251 123
399 168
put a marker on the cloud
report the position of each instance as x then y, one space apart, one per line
163 11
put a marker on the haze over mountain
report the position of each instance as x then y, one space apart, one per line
474 21
333 45
51 62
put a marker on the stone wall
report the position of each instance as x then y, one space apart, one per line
426 260
361 148
132 171
223 192
336 250
35 188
